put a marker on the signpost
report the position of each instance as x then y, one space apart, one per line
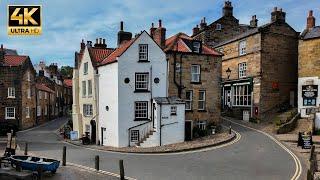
307 141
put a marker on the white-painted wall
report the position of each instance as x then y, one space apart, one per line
301 82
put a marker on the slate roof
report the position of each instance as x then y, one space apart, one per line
10 51
311 33
14 60
43 87
67 82
183 43
169 100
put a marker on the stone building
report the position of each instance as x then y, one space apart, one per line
309 67
222 29
194 76
259 69
17 91
67 94
44 103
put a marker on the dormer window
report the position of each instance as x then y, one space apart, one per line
196 46
218 27
143 52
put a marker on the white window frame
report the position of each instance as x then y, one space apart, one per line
143 52
85 68
134 135
84 88
29 93
189 101
142 81
218 27
45 110
242 47
27 112
173 110
196 46
38 111
89 88
195 75
242 69
40 94
240 93
202 102
7 112
87 110
141 109
11 92
178 67
202 125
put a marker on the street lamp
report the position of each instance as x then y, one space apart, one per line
228 71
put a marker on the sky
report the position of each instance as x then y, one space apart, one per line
66 22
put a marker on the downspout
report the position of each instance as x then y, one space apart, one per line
174 75
97 105
160 123
151 103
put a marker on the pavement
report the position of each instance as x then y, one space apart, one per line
255 156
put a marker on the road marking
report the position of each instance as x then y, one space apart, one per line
238 137
295 158
100 171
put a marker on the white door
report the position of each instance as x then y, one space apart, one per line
246 115
227 98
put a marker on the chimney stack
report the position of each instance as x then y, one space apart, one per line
227 9
203 23
159 35
89 43
82 46
311 20
278 15
152 29
41 73
2 53
195 30
123 36
254 22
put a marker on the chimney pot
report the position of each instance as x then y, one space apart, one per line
100 40
104 41
311 20
152 25
97 41
160 23
121 26
310 13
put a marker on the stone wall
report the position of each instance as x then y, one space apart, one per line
309 58
210 82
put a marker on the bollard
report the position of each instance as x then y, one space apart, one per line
64 156
97 163
311 153
121 169
230 129
26 149
40 172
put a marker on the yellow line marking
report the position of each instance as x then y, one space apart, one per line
295 158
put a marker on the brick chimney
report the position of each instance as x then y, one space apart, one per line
254 22
195 30
311 20
2 53
123 36
100 43
160 35
227 9
82 46
278 15
152 29
203 23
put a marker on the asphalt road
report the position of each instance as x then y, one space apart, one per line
255 156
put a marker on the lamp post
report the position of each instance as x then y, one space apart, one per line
228 71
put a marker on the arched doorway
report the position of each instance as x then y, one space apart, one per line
93 131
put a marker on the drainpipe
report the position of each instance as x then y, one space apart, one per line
151 103
160 120
174 74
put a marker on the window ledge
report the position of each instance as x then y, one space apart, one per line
7 118
173 114
141 119
11 97
196 82
143 61
189 110
200 110
141 91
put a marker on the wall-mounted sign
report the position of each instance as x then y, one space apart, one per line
275 86
310 91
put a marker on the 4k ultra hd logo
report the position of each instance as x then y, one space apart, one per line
24 20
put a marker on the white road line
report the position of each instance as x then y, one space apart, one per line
238 137
295 158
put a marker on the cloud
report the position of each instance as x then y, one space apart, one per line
65 23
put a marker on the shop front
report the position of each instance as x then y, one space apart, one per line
237 98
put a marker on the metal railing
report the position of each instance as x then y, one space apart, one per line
142 133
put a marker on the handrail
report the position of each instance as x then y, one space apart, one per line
144 133
139 125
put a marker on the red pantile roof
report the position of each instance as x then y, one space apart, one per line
43 87
14 60
99 54
68 82
179 42
118 52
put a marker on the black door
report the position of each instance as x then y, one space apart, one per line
93 131
188 130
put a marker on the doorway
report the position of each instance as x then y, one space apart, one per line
103 136
227 97
188 130
93 131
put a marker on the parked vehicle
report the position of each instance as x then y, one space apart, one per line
35 163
